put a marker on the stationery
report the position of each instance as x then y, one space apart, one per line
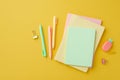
35 36
80 46
43 43
50 41
54 31
107 45
61 50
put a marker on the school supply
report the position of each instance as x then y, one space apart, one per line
50 41
43 43
75 20
54 31
35 36
80 46
107 45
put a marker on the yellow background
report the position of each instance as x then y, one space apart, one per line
20 55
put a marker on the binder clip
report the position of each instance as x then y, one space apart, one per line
35 36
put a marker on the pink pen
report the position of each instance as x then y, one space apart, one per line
50 41
107 45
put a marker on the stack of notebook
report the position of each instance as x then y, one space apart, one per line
80 40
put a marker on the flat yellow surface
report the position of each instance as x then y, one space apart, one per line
20 55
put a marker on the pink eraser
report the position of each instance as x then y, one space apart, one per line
107 45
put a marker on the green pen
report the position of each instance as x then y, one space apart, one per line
43 43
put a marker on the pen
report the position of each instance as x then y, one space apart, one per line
43 43
50 41
54 30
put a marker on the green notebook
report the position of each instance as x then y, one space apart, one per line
80 46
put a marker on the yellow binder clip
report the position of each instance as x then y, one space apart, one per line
35 36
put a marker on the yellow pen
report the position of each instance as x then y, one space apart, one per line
54 31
